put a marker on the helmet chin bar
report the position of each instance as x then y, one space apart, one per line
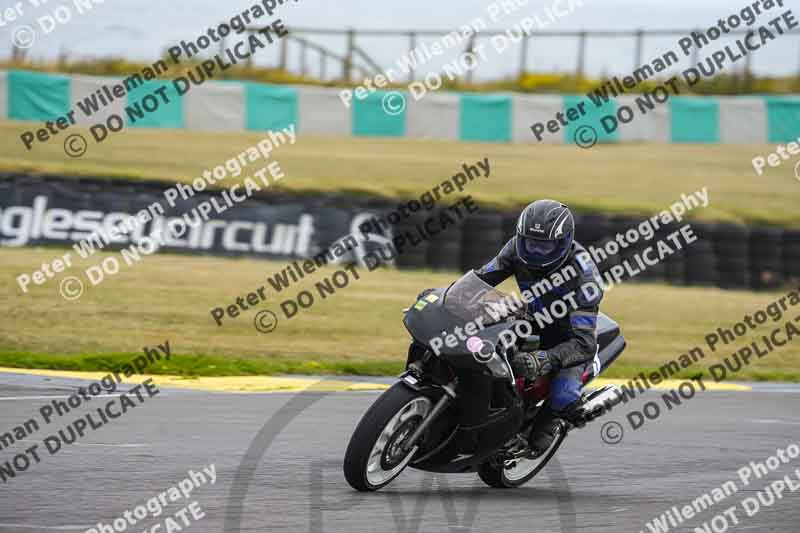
544 268
550 267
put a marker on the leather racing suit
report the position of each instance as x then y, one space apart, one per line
572 338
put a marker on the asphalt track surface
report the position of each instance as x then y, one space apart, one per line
291 479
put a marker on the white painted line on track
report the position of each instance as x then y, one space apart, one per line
61 528
13 398
773 421
132 445
32 386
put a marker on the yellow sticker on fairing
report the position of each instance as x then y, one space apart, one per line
420 305
431 298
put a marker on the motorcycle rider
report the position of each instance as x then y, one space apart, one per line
543 252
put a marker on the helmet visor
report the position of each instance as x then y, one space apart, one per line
540 252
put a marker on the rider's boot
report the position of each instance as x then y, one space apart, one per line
543 430
545 425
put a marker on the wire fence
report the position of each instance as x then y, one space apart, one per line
317 45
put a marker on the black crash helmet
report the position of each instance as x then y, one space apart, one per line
545 232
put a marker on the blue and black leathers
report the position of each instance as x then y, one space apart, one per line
571 339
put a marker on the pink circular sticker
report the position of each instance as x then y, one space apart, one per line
474 344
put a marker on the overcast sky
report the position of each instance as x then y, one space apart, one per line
140 29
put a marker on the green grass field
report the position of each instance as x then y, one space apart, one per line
632 178
356 331
360 331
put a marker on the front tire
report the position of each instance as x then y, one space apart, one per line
374 456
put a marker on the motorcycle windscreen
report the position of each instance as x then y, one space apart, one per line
473 300
456 320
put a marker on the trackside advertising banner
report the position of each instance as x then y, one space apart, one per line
88 215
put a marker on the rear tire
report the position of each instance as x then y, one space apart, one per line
501 476
373 457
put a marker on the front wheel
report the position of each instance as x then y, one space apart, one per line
517 472
375 455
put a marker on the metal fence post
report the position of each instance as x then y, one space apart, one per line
523 57
581 53
748 68
303 50
348 61
639 49
470 49
250 57
412 45
284 53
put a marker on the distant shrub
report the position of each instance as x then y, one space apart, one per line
724 84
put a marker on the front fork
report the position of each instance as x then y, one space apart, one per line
447 398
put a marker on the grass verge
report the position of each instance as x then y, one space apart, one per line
358 330
201 365
636 179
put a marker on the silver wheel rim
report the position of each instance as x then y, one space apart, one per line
376 473
523 467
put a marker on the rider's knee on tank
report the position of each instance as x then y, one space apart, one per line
565 389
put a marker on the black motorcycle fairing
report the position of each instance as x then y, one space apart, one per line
458 312
485 422
458 315
427 319
610 344
607 330
421 361
488 411
479 416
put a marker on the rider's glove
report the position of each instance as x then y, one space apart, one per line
547 363
534 364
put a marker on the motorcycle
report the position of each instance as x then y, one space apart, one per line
459 408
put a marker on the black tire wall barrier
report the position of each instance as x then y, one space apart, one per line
791 256
728 256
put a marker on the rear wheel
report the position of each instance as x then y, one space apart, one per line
375 455
516 472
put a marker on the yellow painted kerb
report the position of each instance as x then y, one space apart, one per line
298 384
222 384
673 384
